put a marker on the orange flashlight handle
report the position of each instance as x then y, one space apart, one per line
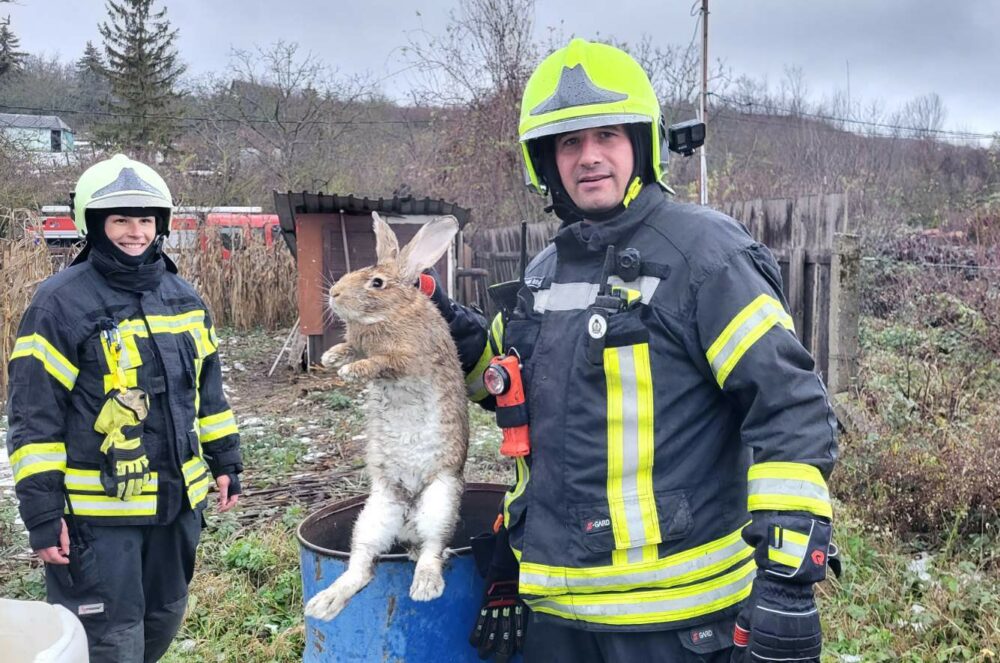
516 440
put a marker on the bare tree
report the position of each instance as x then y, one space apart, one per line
473 76
288 110
923 116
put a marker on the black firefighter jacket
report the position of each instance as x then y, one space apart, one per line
60 373
654 429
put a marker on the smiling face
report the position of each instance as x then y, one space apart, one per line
595 166
131 234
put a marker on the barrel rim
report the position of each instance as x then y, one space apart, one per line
351 502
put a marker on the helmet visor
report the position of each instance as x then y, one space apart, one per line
586 122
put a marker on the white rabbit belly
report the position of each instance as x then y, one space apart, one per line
403 423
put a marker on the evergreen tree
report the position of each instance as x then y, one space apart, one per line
92 85
142 68
11 59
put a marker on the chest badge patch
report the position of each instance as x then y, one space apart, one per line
597 326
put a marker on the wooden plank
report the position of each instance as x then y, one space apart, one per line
821 326
844 346
309 232
795 286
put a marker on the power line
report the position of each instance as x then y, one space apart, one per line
962 135
194 118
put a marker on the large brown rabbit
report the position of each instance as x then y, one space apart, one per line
415 407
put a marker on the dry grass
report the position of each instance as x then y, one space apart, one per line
253 287
23 265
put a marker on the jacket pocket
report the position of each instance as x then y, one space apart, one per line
633 521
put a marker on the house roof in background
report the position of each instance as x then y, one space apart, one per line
19 121
291 203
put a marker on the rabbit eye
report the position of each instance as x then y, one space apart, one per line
377 282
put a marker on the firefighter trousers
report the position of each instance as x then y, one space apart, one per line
128 585
548 641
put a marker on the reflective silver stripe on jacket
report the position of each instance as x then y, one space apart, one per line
579 295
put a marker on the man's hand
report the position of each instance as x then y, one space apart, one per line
226 501
57 554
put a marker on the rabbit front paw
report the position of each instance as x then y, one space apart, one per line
337 355
360 370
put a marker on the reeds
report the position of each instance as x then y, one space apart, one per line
24 263
254 286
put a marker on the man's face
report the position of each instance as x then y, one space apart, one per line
595 166
131 234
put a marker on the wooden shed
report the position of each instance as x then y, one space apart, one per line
330 235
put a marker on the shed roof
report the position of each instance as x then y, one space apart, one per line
291 203
19 121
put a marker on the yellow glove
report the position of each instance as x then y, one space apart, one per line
127 468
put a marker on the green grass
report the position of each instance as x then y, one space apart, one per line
881 610
246 598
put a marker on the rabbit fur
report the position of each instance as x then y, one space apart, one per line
416 414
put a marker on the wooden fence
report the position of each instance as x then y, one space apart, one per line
814 242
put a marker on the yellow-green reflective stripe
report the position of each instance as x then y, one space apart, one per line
792 550
680 568
743 331
192 468
216 426
634 519
765 502
192 322
782 557
616 500
54 362
474 387
198 492
102 505
90 480
653 606
176 323
36 458
523 476
784 486
196 480
496 333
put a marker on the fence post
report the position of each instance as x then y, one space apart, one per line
844 311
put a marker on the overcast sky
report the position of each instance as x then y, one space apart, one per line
895 50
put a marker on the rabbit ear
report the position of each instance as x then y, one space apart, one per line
427 246
386 244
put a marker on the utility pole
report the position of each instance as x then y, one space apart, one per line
704 98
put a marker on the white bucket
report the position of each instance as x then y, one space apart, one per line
36 632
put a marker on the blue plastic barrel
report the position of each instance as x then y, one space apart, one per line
381 624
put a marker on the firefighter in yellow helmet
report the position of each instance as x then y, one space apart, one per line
673 505
117 420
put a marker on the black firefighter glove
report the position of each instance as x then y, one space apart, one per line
430 285
780 621
503 617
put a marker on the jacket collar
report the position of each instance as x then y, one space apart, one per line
595 237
